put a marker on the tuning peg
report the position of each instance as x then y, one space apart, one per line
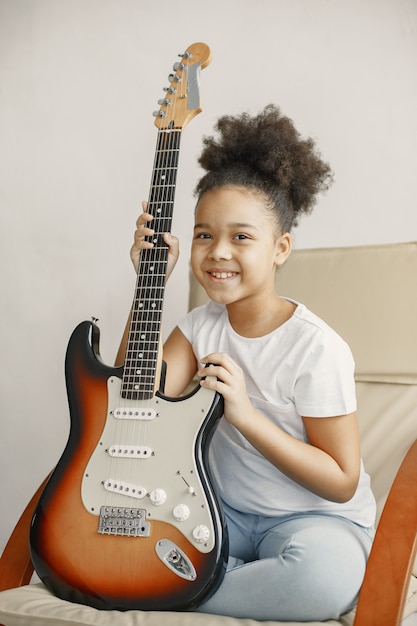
170 90
186 55
166 102
159 114
178 66
174 78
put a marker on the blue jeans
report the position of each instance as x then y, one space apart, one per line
307 567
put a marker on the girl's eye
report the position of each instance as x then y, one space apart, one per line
241 236
202 236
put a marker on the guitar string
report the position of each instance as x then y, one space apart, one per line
146 323
165 163
150 321
123 437
151 312
163 196
168 168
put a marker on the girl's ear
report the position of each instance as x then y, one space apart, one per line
283 248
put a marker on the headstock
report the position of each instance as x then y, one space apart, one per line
182 98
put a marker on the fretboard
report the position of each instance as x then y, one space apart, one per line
140 369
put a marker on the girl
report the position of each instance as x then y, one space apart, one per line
286 455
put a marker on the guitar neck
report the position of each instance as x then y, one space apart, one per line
140 370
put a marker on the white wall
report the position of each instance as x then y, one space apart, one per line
79 80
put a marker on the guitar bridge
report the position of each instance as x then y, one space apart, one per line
124 522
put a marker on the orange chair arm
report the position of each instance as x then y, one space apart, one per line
393 553
16 567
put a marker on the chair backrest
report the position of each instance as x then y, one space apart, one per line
368 295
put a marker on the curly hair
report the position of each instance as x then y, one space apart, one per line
266 154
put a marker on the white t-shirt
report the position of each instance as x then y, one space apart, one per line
301 368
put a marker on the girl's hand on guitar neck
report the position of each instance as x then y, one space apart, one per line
143 230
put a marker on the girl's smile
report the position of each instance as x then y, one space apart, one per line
219 275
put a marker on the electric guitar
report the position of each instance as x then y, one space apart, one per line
129 518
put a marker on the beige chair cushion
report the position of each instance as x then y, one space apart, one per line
33 605
387 416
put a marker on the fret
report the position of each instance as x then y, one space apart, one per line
144 377
164 177
146 344
168 169
132 373
144 354
151 298
139 328
148 340
159 215
145 327
139 354
148 315
162 195
143 385
146 364
151 265
154 268
167 150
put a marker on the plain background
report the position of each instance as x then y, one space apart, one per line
79 80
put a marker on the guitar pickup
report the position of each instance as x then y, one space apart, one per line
130 452
130 413
124 489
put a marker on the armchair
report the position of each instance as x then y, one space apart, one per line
368 295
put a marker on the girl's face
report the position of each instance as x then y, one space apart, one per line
236 247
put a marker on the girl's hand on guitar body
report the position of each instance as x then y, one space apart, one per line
143 230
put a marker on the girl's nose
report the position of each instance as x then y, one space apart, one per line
220 251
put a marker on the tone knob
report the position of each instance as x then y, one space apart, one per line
181 512
157 496
201 533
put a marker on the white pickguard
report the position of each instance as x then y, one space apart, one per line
154 466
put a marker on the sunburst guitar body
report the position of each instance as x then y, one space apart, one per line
129 518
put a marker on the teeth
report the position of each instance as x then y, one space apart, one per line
222 274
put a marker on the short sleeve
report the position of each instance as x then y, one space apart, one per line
325 384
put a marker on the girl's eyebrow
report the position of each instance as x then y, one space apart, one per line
230 225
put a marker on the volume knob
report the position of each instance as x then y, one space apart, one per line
201 533
181 512
157 496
